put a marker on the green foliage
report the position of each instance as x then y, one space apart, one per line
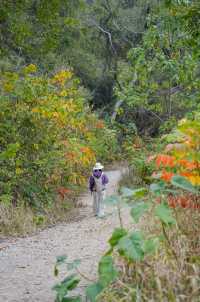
49 137
72 33
62 289
66 286
163 212
116 235
130 247
93 291
162 79
183 183
107 274
138 209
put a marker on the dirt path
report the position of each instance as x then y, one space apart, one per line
26 265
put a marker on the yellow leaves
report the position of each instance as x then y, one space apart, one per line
31 68
63 136
8 87
55 115
18 171
182 122
88 155
70 106
62 76
63 93
35 110
195 180
77 179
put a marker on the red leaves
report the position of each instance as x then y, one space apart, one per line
100 124
187 201
167 176
63 191
187 164
165 161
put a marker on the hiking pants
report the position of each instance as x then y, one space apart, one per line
98 206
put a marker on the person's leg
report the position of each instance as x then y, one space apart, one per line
95 202
101 205
103 198
98 203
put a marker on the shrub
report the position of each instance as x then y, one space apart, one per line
48 136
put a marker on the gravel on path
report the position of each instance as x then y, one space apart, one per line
26 264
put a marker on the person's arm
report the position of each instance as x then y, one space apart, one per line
105 179
91 183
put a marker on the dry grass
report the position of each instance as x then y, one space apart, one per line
24 220
16 220
172 274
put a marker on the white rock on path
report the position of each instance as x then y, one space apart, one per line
26 264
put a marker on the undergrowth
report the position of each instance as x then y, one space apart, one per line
49 141
157 259
24 220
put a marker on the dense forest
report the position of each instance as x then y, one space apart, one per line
113 81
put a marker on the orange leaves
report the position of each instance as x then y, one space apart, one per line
70 156
187 201
87 151
182 158
100 124
88 155
190 165
166 176
63 192
78 158
165 161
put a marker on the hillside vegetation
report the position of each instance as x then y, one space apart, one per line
106 80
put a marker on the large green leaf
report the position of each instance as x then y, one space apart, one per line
164 213
106 270
131 246
69 283
112 200
183 183
150 245
93 291
116 236
136 193
138 210
157 188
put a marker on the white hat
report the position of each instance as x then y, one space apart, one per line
98 166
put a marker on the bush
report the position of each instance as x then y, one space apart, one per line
48 136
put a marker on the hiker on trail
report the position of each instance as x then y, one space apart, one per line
97 185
